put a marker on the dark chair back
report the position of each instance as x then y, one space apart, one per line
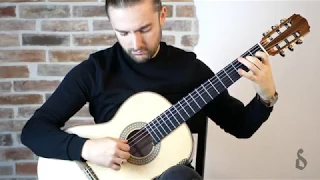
200 127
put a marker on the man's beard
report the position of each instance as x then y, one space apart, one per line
149 53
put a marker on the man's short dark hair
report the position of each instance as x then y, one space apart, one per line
127 3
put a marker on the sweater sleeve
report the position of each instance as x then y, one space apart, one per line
228 112
42 133
234 117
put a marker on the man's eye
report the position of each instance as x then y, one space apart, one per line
123 33
145 30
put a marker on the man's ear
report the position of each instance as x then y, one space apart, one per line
163 15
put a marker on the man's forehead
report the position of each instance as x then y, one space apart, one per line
128 20
138 28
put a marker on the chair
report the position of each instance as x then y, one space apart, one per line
200 127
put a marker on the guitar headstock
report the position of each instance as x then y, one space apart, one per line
289 32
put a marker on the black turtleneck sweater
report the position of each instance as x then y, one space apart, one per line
108 77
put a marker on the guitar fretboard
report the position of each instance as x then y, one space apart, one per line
197 99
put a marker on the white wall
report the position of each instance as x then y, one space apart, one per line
229 28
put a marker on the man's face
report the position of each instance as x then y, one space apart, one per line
138 29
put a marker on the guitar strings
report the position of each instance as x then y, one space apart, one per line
155 125
90 174
152 125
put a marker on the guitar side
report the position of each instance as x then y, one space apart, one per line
141 107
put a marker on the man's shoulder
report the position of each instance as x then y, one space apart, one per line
102 54
94 61
179 51
185 55
101 59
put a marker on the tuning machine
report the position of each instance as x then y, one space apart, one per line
290 47
283 20
282 53
299 41
275 26
264 34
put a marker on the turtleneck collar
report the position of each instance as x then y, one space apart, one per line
158 59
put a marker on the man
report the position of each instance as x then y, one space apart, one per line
140 62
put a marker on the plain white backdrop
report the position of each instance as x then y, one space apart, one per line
229 28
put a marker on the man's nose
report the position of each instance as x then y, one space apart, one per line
137 40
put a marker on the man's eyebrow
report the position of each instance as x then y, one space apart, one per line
145 26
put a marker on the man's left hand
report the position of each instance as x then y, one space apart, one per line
260 74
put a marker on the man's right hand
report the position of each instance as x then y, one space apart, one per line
107 152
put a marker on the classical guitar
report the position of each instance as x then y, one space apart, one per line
155 129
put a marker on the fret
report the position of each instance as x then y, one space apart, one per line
201 97
234 66
151 132
189 105
227 81
174 107
195 101
250 53
183 109
155 126
228 75
220 87
234 75
166 125
214 86
240 65
205 94
221 81
165 132
174 117
207 91
168 119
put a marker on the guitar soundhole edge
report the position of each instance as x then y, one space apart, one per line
140 155
140 142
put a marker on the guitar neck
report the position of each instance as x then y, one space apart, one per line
197 99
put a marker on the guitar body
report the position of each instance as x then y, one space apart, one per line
137 115
138 109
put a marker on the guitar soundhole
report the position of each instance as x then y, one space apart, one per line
140 142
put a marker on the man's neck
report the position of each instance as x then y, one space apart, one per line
156 51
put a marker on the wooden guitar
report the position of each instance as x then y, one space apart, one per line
155 129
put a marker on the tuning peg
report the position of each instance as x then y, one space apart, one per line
273 27
282 53
299 41
283 20
265 33
290 47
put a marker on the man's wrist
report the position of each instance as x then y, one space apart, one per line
84 151
270 101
